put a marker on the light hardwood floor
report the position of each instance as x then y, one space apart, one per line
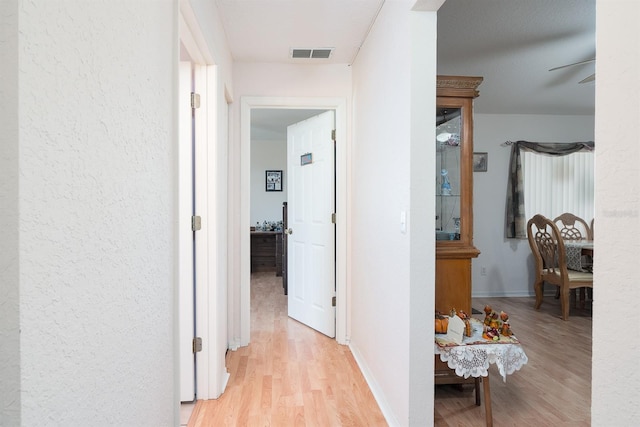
291 375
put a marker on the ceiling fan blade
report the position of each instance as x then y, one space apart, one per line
591 78
571 65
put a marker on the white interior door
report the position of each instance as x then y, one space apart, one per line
311 240
186 236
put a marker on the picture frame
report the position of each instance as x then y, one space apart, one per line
480 161
273 180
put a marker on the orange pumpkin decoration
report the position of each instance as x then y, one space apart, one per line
442 324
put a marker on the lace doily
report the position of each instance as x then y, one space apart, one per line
474 360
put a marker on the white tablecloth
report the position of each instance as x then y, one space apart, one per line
473 360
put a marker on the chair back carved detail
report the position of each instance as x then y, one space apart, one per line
572 227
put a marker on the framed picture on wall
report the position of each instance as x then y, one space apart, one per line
480 161
273 180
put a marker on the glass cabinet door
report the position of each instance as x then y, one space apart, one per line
449 188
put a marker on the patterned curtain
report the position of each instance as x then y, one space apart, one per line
516 223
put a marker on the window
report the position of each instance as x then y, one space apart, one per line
557 184
559 178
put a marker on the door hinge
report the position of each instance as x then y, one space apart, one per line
196 223
195 100
196 344
333 218
333 135
333 301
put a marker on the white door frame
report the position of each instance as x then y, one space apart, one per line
340 107
185 236
211 374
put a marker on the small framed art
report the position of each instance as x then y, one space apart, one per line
273 180
480 161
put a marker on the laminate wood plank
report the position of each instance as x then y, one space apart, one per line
267 392
291 375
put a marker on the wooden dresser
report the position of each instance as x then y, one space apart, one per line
266 253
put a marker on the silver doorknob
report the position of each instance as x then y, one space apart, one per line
288 231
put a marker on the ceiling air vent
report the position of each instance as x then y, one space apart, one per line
317 53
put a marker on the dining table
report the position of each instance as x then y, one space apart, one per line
579 254
472 357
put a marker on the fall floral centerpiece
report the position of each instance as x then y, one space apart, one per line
495 324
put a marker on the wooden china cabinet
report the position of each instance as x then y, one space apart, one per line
454 192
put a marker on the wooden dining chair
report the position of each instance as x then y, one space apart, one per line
591 232
572 227
547 246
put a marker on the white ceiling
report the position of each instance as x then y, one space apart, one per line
511 43
266 30
270 124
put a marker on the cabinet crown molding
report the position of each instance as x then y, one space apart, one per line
458 86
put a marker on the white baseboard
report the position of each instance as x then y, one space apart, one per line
225 380
378 395
234 344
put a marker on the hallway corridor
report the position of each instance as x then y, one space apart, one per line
290 375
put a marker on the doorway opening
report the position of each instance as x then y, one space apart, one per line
259 107
292 205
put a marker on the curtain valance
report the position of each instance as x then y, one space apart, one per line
515 221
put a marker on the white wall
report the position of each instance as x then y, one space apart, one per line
9 218
267 155
615 373
97 207
508 262
393 271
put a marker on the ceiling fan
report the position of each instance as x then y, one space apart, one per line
588 79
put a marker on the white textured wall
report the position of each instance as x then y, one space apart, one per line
267 155
508 262
389 308
615 373
9 249
97 203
